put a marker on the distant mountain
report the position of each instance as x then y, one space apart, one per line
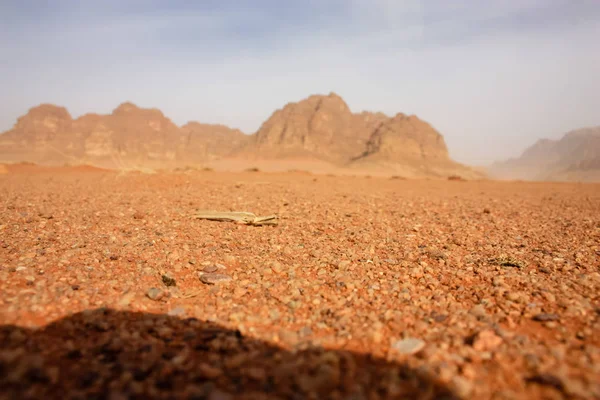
574 157
128 137
320 130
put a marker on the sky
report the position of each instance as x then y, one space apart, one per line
492 76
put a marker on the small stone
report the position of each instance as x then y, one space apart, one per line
546 380
408 346
549 296
210 268
478 311
155 293
498 281
209 372
305 331
486 340
176 312
543 317
138 215
276 267
168 280
439 317
486 211
20 268
126 299
462 386
212 278
258 374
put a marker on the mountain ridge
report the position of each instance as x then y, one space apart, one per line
321 128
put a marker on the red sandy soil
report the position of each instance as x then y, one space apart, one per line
368 288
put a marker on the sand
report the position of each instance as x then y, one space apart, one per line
367 287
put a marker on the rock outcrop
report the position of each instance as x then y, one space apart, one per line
574 157
129 137
410 147
210 141
319 132
406 138
324 128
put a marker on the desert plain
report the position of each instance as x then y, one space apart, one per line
367 288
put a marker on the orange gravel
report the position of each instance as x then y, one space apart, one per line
369 288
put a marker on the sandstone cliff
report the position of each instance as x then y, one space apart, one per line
210 141
319 132
129 137
324 128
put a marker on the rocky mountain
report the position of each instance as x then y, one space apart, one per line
324 128
320 131
574 157
210 141
129 137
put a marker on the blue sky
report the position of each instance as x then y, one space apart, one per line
491 76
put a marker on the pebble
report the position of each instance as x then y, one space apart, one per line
276 267
212 278
408 346
168 280
462 386
543 317
486 340
176 312
210 268
305 331
126 299
478 311
155 293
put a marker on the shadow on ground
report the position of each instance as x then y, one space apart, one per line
108 354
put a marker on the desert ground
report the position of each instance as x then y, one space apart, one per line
367 288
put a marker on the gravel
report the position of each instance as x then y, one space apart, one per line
488 305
